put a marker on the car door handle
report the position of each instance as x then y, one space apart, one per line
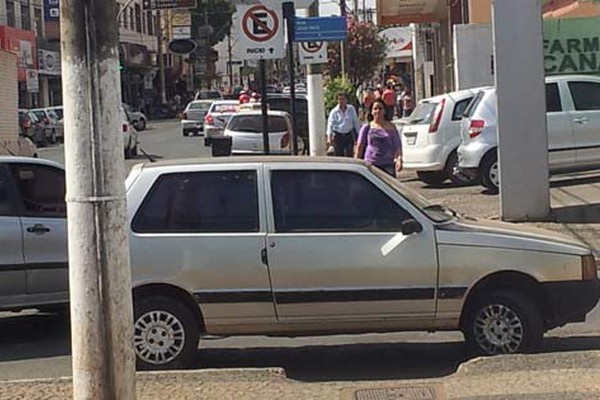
580 120
38 229
264 257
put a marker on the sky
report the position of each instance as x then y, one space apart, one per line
332 7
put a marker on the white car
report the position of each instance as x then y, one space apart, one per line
431 136
573 127
246 132
131 139
192 118
217 117
136 117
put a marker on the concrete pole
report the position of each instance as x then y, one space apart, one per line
317 122
99 271
523 141
159 55
343 43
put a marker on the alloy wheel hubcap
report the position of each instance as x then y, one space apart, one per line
159 337
494 174
498 330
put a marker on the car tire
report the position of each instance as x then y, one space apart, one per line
134 151
53 139
489 172
433 178
186 133
141 125
166 333
503 322
451 171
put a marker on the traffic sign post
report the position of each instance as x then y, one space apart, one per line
313 52
261 30
320 29
289 13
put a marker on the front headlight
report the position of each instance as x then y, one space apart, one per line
588 268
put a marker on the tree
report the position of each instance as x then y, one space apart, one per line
366 51
218 14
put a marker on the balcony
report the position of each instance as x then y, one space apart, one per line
403 12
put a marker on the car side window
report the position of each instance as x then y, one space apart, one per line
7 200
553 102
459 109
332 201
41 188
200 202
585 95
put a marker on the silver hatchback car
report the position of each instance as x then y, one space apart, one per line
316 246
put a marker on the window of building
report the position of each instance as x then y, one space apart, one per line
138 18
332 201
25 17
150 23
39 24
10 13
131 19
201 202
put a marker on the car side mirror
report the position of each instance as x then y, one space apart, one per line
411 226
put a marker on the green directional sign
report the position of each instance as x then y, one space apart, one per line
572 46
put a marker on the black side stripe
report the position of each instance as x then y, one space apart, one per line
574 148
327 296
32 266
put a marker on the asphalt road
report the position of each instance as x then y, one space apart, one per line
35 345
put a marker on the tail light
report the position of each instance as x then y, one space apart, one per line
125 128
184 115
476 127
285 140
437 118
46 121
208 119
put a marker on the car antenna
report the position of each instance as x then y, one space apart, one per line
148 156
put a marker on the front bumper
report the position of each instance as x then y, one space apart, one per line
570 301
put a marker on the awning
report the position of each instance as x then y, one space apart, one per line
403 12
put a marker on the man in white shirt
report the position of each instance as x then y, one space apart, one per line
342 127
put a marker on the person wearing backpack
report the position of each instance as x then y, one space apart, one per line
379 141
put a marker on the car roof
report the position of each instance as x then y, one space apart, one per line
259 113
217 102
303 160
30 160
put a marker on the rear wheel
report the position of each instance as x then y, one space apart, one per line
452 173
185 133
53 139
166 333
434 178
503 322
490 174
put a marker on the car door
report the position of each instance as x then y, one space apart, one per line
586 121
561 143
336 251
203 230
13 276
41 193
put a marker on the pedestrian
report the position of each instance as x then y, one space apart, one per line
368 99
389 99
408 104
244 97
342 127
379 141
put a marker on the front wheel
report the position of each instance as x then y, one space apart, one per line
166 333
490 174
503 323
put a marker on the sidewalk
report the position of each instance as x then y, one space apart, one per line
557 375
568 376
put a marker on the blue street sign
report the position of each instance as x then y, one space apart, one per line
320 29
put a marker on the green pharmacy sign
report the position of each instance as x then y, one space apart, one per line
572 46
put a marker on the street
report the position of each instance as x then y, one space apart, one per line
36 345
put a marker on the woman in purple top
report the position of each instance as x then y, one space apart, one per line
379 141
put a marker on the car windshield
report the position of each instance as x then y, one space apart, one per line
58 112
224 108
253 123
436 212
423 114
39 114
199 106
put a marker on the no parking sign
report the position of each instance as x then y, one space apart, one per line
313 52
261 32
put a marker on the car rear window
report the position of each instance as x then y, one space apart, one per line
253 123
199 106
473 105
459 109
423 114
224 108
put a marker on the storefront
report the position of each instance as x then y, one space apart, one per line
23 45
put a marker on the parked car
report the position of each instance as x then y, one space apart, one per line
131 139
217 117
573 123
58 110
431 136
53 123
192 118
137 118
246 132
34 128
282 103
401 263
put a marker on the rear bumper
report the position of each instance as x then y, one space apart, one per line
429 158
192 126
571 301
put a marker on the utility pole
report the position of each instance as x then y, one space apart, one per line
99 272
161 61
316 100
343 47
229 66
